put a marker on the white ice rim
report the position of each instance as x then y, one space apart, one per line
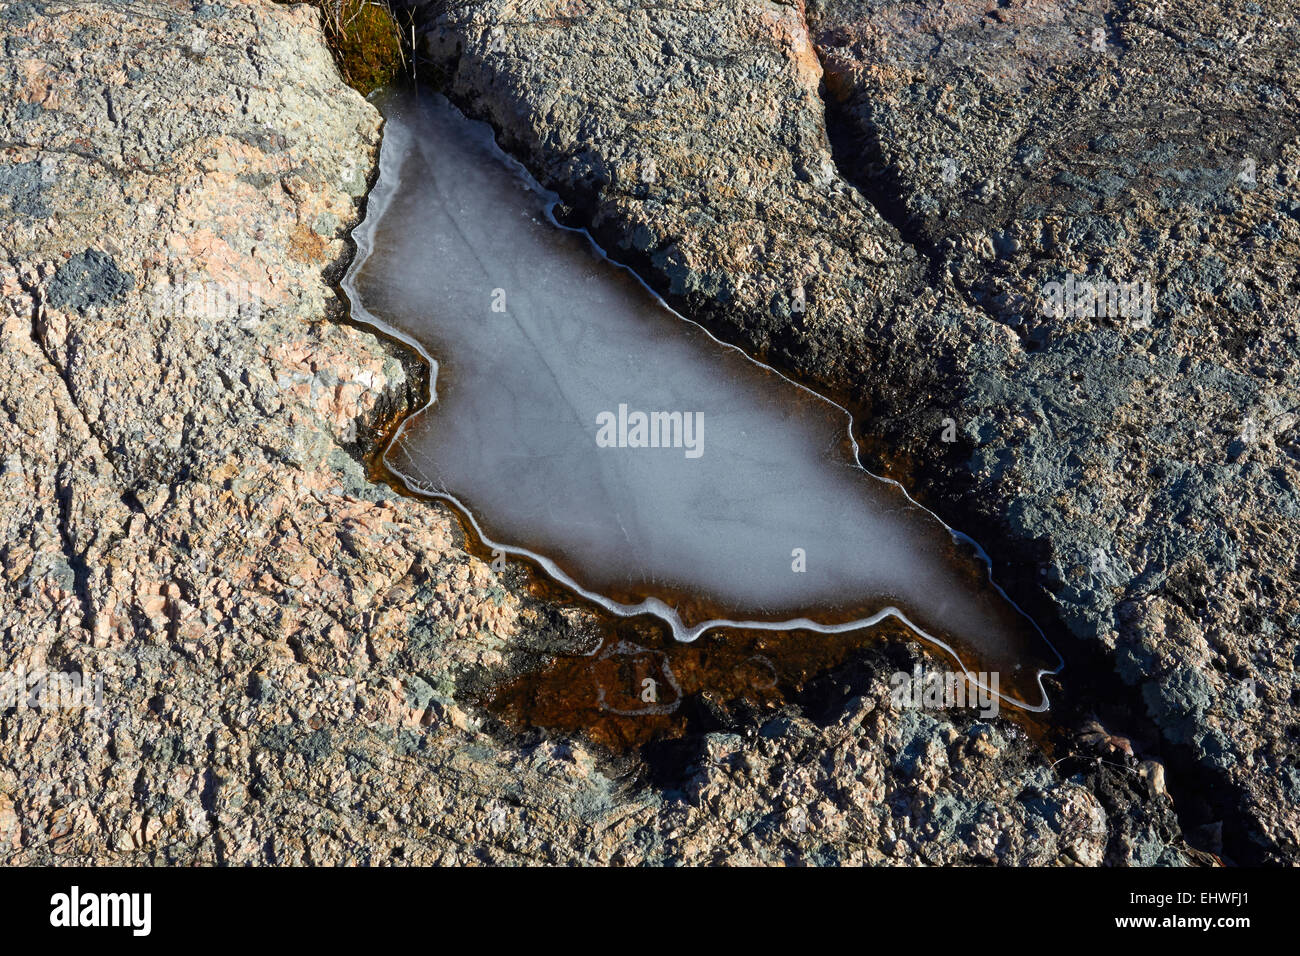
386 184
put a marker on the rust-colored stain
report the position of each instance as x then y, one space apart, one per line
306 245
636 687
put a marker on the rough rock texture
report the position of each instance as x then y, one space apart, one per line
913 175
1155 457
289 652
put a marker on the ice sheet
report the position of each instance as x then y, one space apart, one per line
741 501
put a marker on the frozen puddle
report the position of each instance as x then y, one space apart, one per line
582 423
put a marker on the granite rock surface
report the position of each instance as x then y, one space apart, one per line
293 658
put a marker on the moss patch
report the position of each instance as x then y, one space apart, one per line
366 41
